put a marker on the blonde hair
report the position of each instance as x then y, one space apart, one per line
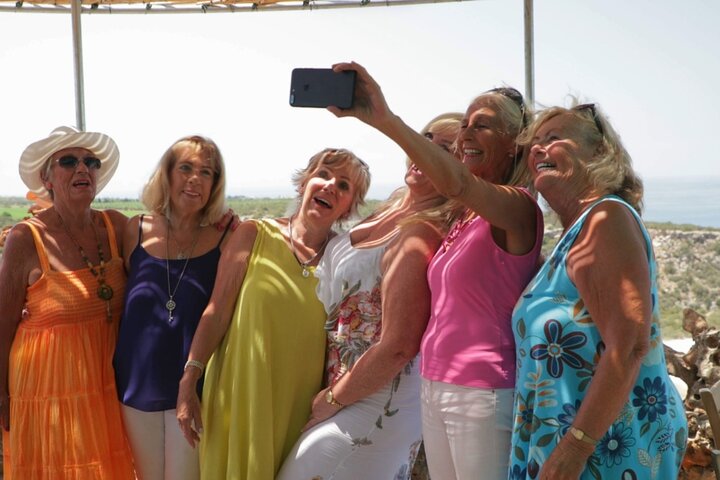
514 114
156 194
443 212
610 169
335 157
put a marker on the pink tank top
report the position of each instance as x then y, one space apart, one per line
474 287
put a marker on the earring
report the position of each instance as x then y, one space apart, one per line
49 186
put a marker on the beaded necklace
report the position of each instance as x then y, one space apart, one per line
104 291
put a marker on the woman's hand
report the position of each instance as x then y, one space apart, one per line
229 218
567 461
188 410
369 103
321 410
5 411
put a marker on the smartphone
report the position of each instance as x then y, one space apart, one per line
321 87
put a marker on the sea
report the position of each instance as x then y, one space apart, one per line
685 200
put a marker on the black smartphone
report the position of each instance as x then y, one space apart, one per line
321 87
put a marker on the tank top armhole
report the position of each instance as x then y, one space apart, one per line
39 247
112 238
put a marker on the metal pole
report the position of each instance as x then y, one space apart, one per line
78 63
529 54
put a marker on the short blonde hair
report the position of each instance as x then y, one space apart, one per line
156 194
610 169
336 157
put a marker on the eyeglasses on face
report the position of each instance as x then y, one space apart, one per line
590 107
70 162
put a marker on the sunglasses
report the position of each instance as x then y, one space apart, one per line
71 162
590 107
515 96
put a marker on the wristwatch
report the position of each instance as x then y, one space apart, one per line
329 398
582 436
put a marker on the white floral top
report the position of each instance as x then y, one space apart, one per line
349 287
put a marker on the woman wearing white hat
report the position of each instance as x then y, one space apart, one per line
62 290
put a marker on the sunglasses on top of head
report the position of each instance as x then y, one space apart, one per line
590 107
515 96
71 162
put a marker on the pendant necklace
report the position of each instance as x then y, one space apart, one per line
104 291
170 304
304 265
180 250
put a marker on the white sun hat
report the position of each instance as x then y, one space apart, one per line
35 156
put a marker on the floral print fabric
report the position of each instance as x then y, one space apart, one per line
558 349
379 435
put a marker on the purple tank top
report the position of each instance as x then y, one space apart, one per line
151 351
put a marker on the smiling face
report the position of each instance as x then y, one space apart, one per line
191 181
483 142
72 183
328 193
417 182
557 158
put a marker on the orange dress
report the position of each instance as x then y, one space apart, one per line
65 420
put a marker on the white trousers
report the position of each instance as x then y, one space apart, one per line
376 438
466 431
158 446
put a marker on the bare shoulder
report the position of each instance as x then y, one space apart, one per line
243 238
19 253
119 221
611 223
422 231
611 239
419 237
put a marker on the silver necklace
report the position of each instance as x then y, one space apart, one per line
170 304
304 265
180 250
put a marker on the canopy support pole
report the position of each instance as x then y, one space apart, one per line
78 64
529 54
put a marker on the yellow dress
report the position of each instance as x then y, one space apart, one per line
65 420
260 382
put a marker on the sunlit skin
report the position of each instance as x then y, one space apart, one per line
327 191
483 147
556 162
191 182
72 183
414 178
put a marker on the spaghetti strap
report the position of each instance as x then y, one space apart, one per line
111 234
40 247
142 216
227 227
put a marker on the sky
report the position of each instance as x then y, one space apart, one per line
651 65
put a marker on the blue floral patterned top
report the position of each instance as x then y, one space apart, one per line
558 349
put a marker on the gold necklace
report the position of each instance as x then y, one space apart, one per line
304 265
170 304
104 291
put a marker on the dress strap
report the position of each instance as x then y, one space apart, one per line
227 228
142 216
39 246
111 234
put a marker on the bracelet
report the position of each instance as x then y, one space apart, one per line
582 436
195 363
